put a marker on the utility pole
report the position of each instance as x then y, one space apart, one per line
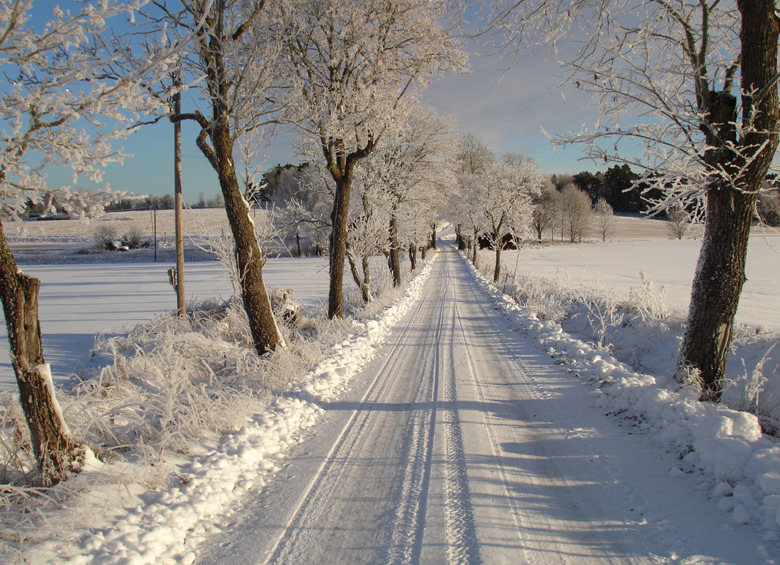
178 203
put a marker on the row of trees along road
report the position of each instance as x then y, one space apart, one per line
398 193
497 197
345 73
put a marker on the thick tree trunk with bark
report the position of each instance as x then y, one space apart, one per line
395 251
721 269
717 285
413 257
53 447
212 42
249 258
338 246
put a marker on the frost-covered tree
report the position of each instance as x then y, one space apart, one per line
413 168
677 221
696 82
503 196
232 57
473 154
367 226
59 108
465 210
350 63
605 216
543 214
304 199
471 159
576 213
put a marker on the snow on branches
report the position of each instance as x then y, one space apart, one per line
66 103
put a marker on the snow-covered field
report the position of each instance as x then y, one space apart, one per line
79 301
667 263
131 512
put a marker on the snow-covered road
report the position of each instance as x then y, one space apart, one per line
463 442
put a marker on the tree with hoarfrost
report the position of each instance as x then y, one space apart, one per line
466 215
575 212
503 195
303 211
367 234
232 57
412 167
471 159
677 221
543 214
696 83
349 65
60 108
605 217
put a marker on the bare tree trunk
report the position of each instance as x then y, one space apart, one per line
459 239
475 246
338 247
395 251
363 282
434 237
721 269
53 447
257 304
497 269
413 256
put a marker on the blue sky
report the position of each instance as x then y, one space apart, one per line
506 108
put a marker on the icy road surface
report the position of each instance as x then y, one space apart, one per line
462 442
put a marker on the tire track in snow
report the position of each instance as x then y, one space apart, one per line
461 533
494 442
414 481
406 540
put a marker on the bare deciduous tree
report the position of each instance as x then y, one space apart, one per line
543 214
350 63
576 213
605 217
473 155
59 83
678 221
698 82
231 49
502 196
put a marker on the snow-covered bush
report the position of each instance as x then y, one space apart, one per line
647 301
548 299
105 235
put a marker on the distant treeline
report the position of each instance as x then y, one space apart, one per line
615 186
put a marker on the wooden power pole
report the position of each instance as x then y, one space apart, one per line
178 207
